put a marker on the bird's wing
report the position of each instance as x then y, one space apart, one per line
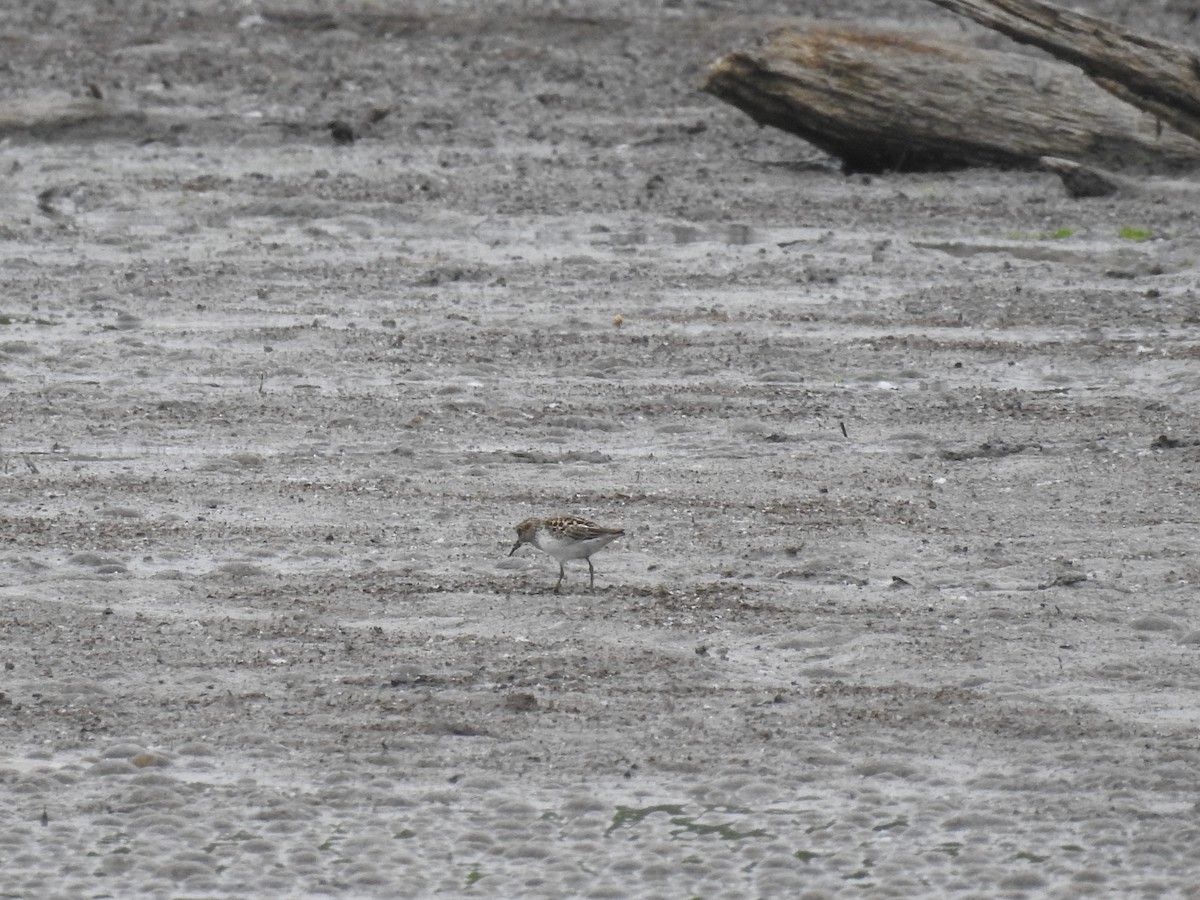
578 528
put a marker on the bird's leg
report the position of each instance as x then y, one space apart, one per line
591 573
562 573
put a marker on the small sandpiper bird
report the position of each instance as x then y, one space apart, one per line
566 537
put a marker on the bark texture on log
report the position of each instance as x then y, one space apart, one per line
883 100
1158 76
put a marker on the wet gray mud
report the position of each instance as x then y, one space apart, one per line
907 466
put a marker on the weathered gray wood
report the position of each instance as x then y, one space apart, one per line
1158 76
1088 181
882 100
1092 181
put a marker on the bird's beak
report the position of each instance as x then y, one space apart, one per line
514 549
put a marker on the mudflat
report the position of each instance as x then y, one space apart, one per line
305 309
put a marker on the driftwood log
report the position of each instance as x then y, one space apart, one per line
1157 76
882 100
1091 181
1088 181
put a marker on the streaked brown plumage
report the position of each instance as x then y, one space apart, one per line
566 537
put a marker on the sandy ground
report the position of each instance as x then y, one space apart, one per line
906 605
